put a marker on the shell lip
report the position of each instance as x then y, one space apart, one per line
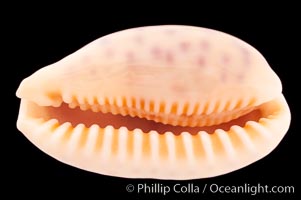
82 115
256 140
173 113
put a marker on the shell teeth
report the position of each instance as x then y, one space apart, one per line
171 146
107 143
226 142
137 104
141 104
113 110
207 145
67 98
75 139
192 108
119 101
157 107
91 100
57 103
180 108
200 152
184 122
92 140
244 138
60 132
84 107
199 109
244 103
260 129
48 125
137 154
111 101
95 108
128 103
147 106
227 105
188 146
210 107
220 106
73 104
174 108
154 140
123 112
122 139
104 109
173 122
194 122
132 113
203 122
81 100
186 107
168 108
164 112
238 104
165 119
231 105
100 100
152 105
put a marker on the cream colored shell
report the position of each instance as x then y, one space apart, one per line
220 102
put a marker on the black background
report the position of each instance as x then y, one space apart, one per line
40 37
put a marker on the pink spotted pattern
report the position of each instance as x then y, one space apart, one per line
179 51
184 46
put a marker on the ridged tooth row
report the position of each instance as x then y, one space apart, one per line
46 126
122 144
207 145
106 150
67 98
226 142
75 138
259 128
59 133
244 137
213 106
137 146
183 114
56 103
171 146
154 146
94 139
107 143
188 146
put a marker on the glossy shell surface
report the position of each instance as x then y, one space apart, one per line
166 102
